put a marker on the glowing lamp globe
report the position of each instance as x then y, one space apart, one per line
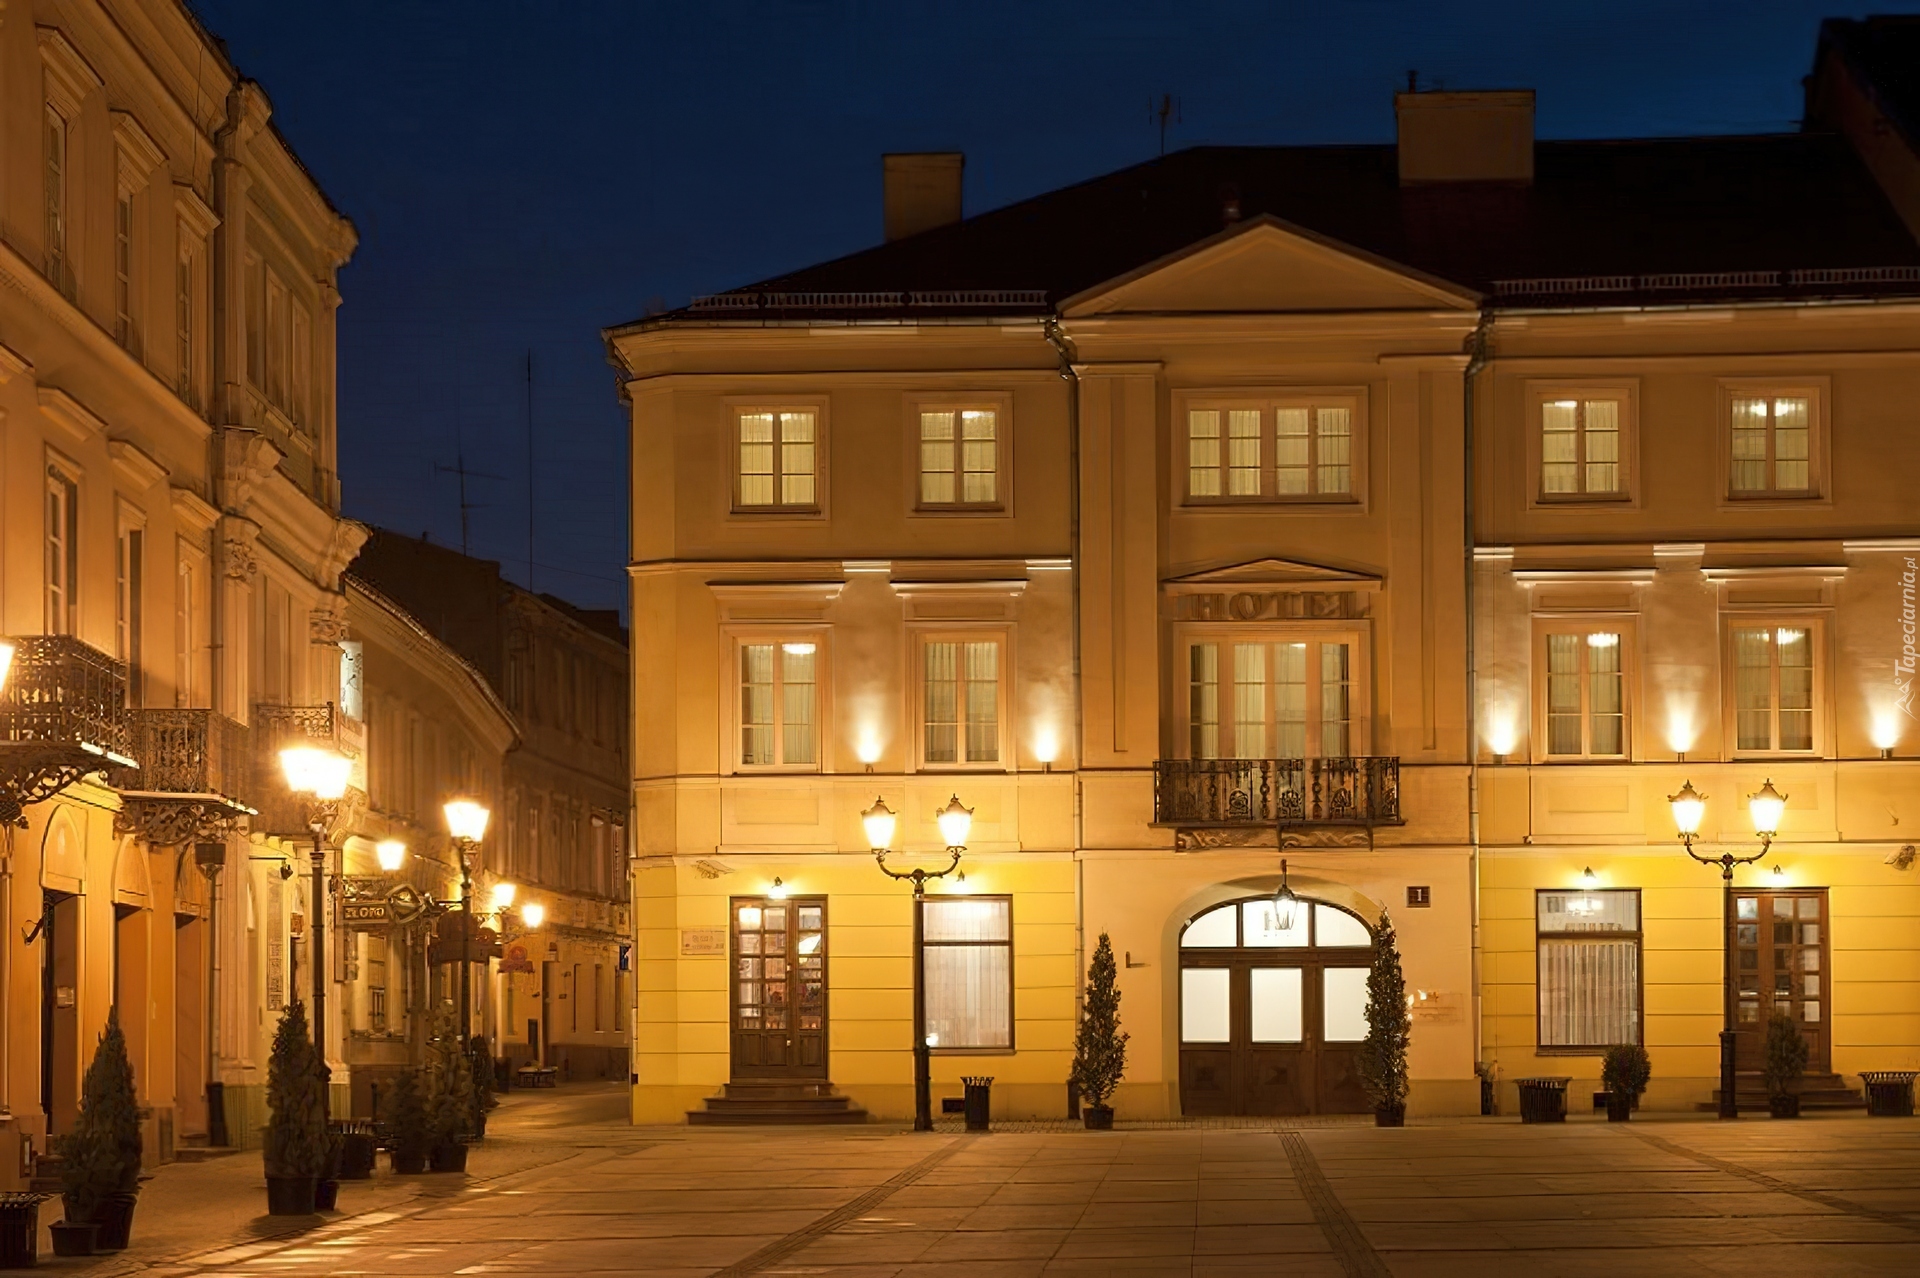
503 895
956 822
6 661
880 822
391 853
466 820
1767 805
315 771
533 914
1689 806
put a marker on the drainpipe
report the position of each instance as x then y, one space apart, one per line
1476 360
1063 347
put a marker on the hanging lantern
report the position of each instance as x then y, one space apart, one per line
1286 906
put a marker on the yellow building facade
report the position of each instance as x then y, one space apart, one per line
1400 525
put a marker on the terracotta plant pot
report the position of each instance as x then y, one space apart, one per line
70 1239
1390 1116
1098 1118
113 1222
450 1158
412 1163
290 1195
1783 1106
1619 1108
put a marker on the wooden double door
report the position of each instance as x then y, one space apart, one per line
1782 962
1261 1037
779 956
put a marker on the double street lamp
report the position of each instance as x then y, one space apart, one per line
1766 806
956 822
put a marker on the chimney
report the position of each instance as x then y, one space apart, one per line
1465 137
922 191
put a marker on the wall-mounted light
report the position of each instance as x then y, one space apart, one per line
1046 748
1779 874
1588 879
1886 732
779 890
868 746
1680 732
1502 734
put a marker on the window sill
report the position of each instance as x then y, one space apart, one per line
1583 499
1784 498
970 1051
1232 503
959 508
777 512
1569 1051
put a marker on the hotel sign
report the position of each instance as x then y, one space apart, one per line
1266 605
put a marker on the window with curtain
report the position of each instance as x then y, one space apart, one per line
63 551
1262 699
962 700
1273 451
1589 967
123 270
1773 687
55 181
969 964
779 702
777 459
1772 445
959 457
1580 448
129 593
1586 694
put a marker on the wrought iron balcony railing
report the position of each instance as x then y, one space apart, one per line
195 774
63 714
1252 793
275 727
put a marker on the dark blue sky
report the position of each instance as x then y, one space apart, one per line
523 174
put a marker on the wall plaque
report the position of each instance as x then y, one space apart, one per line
701 942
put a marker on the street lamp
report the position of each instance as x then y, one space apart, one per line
532 915
391 854
1766 806
955 822
321 775
467 823
6 662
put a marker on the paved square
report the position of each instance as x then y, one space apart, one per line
562 1187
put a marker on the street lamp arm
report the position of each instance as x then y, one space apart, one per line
917 875
1727 860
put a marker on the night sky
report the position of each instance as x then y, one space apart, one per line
524 174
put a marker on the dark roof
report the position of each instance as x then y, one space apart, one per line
1884 55
1752 214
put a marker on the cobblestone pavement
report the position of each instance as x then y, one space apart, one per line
562 1186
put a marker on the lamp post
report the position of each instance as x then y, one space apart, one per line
955 823
1765 805
467 823
321 775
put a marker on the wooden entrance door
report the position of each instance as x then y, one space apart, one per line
1783 962
779 988
1271 1021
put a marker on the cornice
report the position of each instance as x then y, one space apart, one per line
81 425
198 220
190 511
134 465
369 612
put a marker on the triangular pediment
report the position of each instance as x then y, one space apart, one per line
1267 265
1272 574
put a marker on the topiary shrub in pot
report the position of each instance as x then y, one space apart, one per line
1383 1053
1786 1062
296 1145
100 1157
1100 1045
409 1137
1625 1073
480 1068
449 1095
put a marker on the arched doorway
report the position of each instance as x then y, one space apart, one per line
1271 1017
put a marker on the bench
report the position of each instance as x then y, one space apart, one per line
537 1075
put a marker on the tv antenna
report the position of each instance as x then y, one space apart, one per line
459 468
1167 109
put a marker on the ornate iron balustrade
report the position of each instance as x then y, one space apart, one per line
196 771
1255 793
276 727
63 714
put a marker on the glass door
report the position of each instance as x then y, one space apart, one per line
1781 963
779 956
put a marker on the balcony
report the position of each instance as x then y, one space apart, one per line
194 777
63 715
275 728
1250 795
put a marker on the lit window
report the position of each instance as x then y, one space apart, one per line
63 551
1586 694
959 457
56 200
777 459
779 723
1282 700
1286 451
1589 967
1772 445
1580 448
1773 688
969 965
962 701
129 557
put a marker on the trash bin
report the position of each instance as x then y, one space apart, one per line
1543 1100
1889 1092
20 1229
979 1103
357 1145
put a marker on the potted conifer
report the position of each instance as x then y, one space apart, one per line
100 1157
296 1144
1624 1073
1786 1062
480 1067
449 1096
409 1138
1100 1045
1383 1053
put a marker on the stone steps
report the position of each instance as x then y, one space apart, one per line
766 1104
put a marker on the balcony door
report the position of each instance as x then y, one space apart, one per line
779 955
1271 1017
